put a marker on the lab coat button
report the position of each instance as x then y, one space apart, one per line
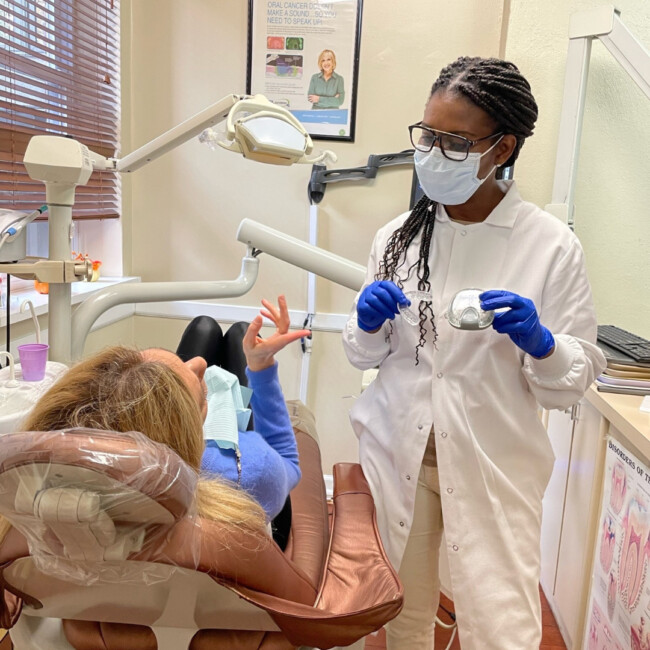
439 375
455 547
408 477
420 426
450 490
443 434
401 523
463 232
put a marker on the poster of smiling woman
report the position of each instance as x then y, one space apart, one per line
304 56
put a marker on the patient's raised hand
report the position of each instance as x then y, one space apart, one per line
259 352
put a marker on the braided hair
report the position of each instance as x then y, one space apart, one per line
499 89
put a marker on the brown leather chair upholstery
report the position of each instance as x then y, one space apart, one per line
214 589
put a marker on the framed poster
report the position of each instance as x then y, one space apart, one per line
304 56
618 617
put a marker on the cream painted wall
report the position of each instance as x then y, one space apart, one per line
182 211
613 189
120 332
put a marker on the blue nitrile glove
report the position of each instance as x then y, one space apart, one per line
378 301
520 322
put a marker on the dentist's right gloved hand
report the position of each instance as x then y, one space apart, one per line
520 322
377 303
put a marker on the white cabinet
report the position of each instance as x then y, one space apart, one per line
570 520
575 552
560 430
565 542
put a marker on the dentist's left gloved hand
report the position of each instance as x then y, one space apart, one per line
520 322
379 302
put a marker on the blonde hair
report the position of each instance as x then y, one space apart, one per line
119 390
320 59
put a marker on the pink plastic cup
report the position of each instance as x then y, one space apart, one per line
33 359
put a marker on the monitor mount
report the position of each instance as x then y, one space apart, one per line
320 175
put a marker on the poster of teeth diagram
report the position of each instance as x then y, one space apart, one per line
619 603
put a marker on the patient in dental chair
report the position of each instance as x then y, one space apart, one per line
269 462
155 392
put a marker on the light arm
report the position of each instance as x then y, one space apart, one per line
186 130
256 128
301 254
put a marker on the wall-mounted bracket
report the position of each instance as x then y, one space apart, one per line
320 175
52 271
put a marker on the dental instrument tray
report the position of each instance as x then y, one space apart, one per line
629 344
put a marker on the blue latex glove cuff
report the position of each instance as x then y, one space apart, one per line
367 328
539 343
547 346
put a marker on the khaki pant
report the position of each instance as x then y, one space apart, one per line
302 418
414 627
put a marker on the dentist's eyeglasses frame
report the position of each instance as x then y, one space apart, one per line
454 147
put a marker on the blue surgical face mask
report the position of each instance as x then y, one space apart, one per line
449 182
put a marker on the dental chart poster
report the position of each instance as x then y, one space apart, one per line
618 617
304 56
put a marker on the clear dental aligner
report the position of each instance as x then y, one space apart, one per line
465 313
410 313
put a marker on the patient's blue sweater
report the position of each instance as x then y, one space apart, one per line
269 456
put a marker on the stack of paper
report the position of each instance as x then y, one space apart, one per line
623 374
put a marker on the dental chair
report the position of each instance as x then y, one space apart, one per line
105 539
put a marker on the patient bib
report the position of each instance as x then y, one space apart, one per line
227 408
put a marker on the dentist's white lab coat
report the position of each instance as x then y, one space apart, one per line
481 393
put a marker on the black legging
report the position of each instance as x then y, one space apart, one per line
203 337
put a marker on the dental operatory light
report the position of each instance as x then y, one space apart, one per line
256 128
265 132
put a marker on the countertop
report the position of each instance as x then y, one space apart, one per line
623 411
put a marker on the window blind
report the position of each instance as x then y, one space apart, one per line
59 75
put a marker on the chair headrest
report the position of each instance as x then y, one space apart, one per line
86 499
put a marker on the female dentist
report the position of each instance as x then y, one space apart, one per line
448 431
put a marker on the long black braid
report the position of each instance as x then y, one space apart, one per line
498 88
420 219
